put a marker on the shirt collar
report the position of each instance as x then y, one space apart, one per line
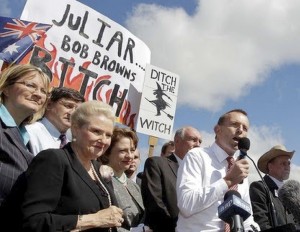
6 117
9 121
54 132
277 182
221 154
179 161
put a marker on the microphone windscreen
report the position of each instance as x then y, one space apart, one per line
244 144
289 194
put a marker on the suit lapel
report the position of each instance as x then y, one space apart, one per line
133 191
83 174
272 185
14 136
172 162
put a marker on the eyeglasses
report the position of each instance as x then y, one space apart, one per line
32 87
68 105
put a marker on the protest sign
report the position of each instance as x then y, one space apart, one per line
158 103
89 52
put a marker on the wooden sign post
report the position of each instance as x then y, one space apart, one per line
152 143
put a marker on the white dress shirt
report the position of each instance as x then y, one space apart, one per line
201 189
43 135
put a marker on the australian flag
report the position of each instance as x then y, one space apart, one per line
17 37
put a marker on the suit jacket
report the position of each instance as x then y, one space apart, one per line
14 158
261 204
159 193
53 192
126 197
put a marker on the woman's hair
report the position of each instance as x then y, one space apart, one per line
118 134
14 73
91 108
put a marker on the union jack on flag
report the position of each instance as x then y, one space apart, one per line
17 37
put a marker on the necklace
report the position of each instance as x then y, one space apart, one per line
101 184
103 187
122 179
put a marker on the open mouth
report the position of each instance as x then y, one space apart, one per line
236 139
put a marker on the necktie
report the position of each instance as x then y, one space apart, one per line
230 161
63 139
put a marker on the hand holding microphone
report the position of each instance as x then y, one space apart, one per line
237 173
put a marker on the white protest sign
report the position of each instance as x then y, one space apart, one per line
158 103
88 52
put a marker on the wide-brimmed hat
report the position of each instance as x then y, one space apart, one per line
274 152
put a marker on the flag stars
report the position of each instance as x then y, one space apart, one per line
11 49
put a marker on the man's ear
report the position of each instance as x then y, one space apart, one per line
217 129
49 105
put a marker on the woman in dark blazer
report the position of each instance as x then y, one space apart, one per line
23 93
63 190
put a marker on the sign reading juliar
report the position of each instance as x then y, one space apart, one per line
158 103
88 52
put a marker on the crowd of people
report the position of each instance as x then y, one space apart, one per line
66 166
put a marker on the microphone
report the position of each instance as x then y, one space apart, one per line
289 194
243 146
271 206
234 211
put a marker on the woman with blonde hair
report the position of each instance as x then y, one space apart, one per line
62 190
23 93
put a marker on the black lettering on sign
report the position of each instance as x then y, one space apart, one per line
155 126
79 23
40 57
76 47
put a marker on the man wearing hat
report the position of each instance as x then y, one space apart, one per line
276 165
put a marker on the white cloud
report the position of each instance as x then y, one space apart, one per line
222 50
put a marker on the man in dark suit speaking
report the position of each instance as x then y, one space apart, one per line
159 182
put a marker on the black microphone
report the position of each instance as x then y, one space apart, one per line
243 146
289 194
234 211
272 209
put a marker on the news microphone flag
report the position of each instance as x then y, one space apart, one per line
233 205
17 37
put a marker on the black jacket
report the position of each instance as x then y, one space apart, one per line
51 194
159 193
261 204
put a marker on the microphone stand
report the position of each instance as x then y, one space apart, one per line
271 206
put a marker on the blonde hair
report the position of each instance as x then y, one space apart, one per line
14 73
90 108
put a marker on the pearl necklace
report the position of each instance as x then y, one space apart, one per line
101 184
122 179
103 187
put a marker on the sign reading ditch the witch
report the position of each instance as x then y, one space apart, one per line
158 103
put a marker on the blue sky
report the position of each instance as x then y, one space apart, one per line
228 54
